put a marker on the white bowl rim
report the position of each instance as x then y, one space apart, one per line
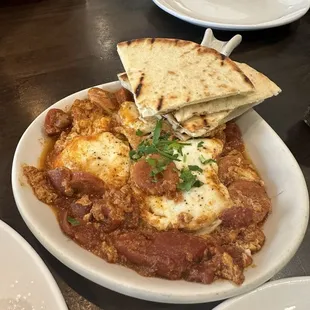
142 292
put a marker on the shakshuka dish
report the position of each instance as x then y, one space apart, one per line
132 193
155 176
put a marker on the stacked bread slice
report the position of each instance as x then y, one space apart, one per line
195 88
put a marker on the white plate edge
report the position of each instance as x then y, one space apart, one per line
203 23
265 286
59 299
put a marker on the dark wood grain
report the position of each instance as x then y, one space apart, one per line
50 49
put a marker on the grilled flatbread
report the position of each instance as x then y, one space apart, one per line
205 125
123 78
167 74
264 88
197 126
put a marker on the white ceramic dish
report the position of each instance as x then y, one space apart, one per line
285 294
236 15
285 227
26 283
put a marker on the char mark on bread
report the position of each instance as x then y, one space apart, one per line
138 89
160 103
223 59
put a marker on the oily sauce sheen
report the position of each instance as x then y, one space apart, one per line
111 206
46 150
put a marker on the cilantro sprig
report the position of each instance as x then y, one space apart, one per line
159 165
205 161
195 168
169 149
189 180
161 144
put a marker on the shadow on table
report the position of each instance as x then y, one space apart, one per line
4 3
298 141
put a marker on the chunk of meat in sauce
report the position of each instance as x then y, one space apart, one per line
129 204
85 109
60 179
56 121
81 207
227 269
249 238
201 273
175 255
227 263
233 139
237 217
234 166
239 256
85 234
106 213
69 182
40 184
166 183
154 252
89 118
86 183
116 208
104 99
251 195
123 95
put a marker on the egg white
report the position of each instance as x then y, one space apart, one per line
200 206
103 155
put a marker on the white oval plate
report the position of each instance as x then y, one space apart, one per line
25 283
236 15
285 294
285 227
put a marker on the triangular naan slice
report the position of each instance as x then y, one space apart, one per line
264 88
167 74
197 126
205 125
123 78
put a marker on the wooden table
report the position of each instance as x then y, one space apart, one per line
50 49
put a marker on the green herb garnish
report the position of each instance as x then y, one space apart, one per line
205 161
139 133
157 131
189 180
160 144
158 166
151 161
170 149
200 144
194 168
73 221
